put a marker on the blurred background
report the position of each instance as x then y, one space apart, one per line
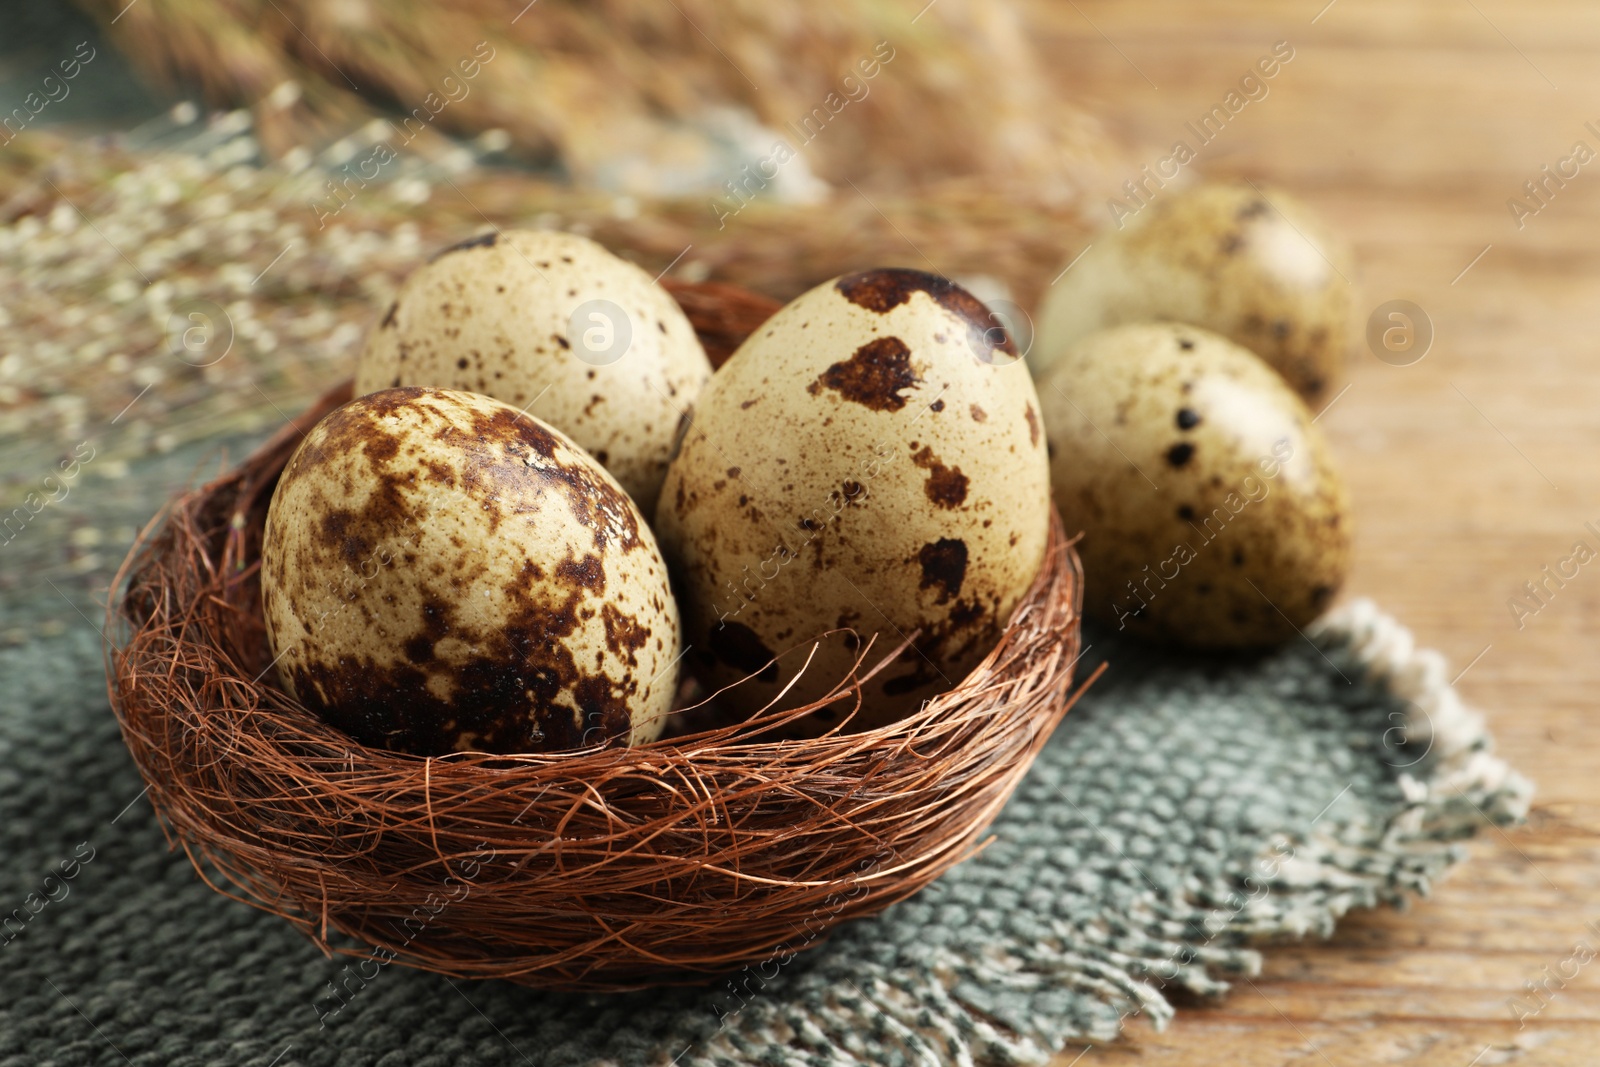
202 203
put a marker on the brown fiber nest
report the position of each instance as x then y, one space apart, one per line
600 869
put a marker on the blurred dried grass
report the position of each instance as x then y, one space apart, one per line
100 246
618 92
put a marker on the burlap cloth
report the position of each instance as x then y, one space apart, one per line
1184 813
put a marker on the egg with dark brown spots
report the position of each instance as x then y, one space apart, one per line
443 573
554 324
1253 264
1211 510
868 462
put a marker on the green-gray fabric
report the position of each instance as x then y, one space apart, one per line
1183 810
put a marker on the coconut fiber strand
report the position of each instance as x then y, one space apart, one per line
1184 813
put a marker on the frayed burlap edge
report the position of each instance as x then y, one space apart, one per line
1452 785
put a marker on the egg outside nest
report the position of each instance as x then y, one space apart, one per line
1211 509
1253 264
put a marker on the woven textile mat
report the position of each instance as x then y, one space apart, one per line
1185 813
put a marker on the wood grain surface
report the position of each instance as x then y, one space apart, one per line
1410 124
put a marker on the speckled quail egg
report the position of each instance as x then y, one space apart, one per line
1211 511
442 573
1260 269
554 324
868 461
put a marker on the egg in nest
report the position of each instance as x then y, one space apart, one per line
554 324
442 573
869 460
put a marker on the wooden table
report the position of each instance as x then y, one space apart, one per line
1410 124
